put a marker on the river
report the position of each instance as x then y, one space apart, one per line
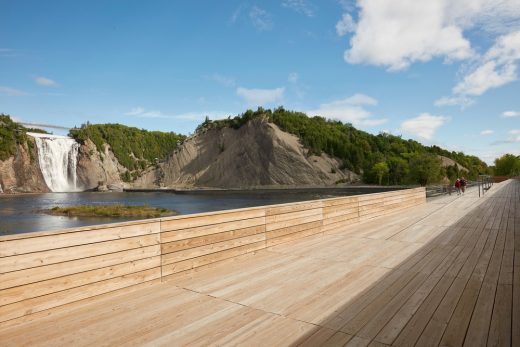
21 213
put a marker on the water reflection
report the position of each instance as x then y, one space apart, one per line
19 213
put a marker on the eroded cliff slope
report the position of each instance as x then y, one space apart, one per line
256 154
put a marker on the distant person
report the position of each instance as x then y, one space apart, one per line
457 186
446 185
463 184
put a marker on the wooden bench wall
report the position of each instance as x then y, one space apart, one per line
44 270
380 204
192 241
293 221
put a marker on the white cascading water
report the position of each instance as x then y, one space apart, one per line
58 158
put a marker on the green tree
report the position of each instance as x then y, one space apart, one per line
507 165
398 170
134 148
380 170
11 134
359 151
425 168
452 172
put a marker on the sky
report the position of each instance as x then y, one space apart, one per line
442 72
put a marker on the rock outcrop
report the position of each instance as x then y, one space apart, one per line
445 162
256 154
96 169
21 173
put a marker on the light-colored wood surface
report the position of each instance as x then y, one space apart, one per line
442 273
44 270
47 270
194 241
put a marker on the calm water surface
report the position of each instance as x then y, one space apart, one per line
20 213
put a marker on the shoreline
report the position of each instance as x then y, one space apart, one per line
258 189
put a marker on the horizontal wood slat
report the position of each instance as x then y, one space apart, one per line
25 261
169 236
26 276
48 301
180 245
76 280
184 222
168 258
169 269
44 243
44 270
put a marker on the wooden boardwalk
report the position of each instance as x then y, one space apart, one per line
446 273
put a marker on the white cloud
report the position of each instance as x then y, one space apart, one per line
487 76
198 116
511 114
425 125
135 111
461 101
44 81
236 14
223 80
12 91
293 77
345 25
516 135
496 68
506 48
142 113
360 99
260 18
486 132
396 34
349 110
260 97
300 6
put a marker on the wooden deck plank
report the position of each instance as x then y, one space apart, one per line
446 273
411 332
488 264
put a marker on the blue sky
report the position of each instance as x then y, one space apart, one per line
441 72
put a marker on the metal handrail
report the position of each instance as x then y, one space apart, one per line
485 182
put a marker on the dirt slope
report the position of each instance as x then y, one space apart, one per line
257 154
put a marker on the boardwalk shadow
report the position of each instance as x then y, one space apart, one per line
429 298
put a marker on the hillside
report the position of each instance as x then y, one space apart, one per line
256 148
112 150
383 158
256 154
19 167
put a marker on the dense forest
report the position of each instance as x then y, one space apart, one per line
134 148
12 133
382 159
507 165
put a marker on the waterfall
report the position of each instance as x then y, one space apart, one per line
58 158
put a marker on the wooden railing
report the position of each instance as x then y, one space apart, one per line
43 270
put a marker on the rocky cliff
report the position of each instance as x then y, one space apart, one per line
96 168
256 154
21 172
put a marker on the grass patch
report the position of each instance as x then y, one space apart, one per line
109 211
